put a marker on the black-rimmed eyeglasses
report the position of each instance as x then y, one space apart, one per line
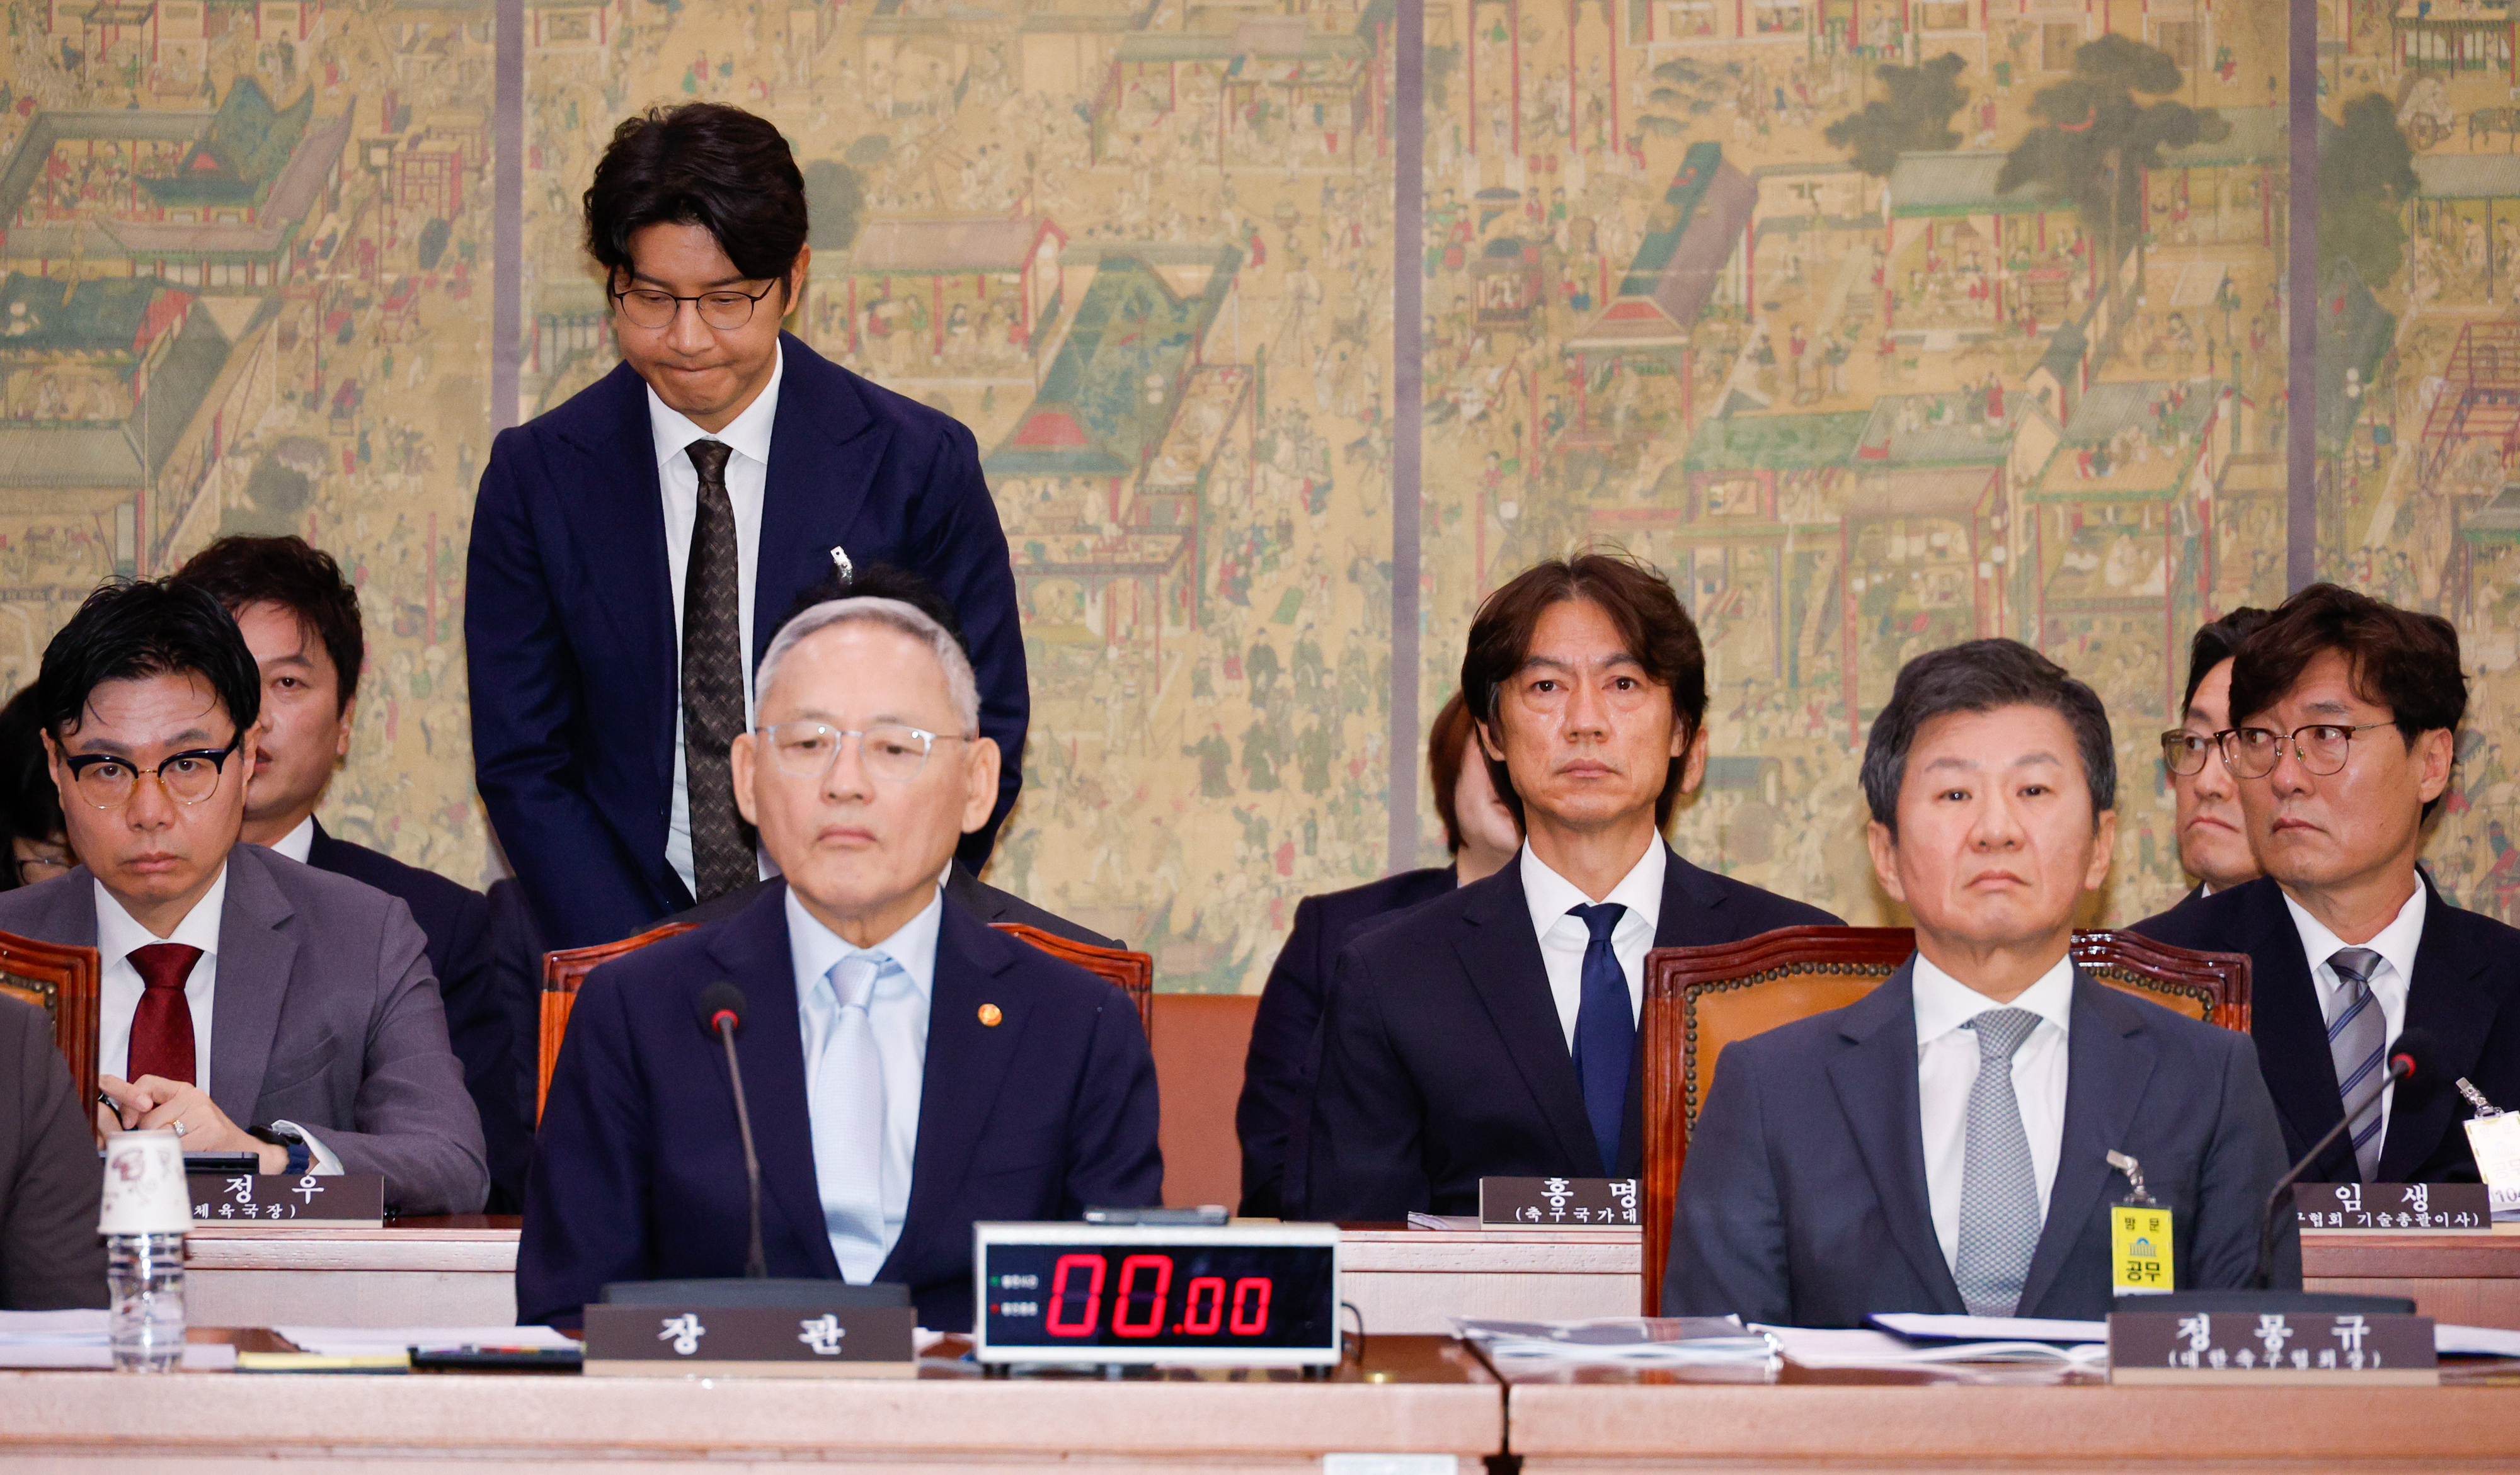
2321 747
724 310
108 781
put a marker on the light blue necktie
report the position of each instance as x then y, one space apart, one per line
845 1100
1999 1212
2355 1042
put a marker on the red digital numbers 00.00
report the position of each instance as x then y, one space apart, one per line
1138 1300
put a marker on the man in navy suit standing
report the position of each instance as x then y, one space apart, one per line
1942 1145
907 1069
634 549
1493 1031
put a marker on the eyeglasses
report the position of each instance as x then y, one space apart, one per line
890 751
2321 748
725 312
42 868
2184 752
108 782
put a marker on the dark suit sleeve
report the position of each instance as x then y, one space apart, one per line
586 1198
50 1256
482 1028
1727 1230
416 1123
526 712
1278 1070
956 542
1114 1158
2243 1161
1368 1159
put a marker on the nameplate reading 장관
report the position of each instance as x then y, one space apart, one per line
751 1341
2270 1346
2394 1208
283 1200
1557 1203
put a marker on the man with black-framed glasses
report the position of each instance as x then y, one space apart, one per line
247 1003
2344 723
2212 838
634 549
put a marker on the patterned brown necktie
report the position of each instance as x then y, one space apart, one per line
722 857
161 1027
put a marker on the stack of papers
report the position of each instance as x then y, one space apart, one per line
1622 1341
1814 1347
369 1341
82 1339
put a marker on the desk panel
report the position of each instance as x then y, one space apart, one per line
2470 1279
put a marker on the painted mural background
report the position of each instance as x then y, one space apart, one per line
1877 323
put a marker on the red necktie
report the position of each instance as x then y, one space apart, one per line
162 1028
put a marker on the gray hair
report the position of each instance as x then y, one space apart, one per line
893 615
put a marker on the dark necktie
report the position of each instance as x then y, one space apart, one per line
713 683
161 1027
2354 1045
1606 1032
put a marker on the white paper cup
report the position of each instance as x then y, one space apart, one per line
144 1185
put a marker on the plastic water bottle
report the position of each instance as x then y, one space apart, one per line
144 1278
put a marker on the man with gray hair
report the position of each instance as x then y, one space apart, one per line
908 1070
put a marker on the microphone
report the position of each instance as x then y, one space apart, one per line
2404 1060
721 1012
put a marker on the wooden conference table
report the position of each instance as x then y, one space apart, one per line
461 1272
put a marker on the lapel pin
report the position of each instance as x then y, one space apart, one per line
990 1014
840 561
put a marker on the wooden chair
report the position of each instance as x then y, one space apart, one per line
1133 973
1699 999
60 979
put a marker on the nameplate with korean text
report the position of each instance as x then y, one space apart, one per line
2394 1208
2221 1348
1559 1203
750 1341
287 1200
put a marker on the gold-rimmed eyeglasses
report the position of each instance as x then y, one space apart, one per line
108 781
724 310
2321 747
894 752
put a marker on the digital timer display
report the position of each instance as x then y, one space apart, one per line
1124 1296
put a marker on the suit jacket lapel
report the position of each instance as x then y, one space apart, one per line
257 950
616 509
1875 1080
2108 1061
2285 1021
812 493
2442 999
752 947
967 1062
1692 915
1505 971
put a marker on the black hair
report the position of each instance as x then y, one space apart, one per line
708 165
2396 658
133 629
296 576
2216 644
1981 676
882 581
29 805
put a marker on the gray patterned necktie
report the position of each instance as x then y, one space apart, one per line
722 857
2354 1039
1999 1213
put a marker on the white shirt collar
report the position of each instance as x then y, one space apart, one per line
117 933
299 843
2396 943
813 947
747 434
1551 895
1943 1003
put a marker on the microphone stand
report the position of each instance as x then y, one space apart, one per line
757 1264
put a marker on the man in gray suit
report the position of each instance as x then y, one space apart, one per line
247 1002
1942 1145
50 1256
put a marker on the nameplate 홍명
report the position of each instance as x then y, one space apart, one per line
2394 1208
305 1201
2270 1346
750 1341
1557 1203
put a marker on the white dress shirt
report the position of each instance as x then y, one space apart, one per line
898 1015
1563 938
1946 1059
2396 944
746 473
299 843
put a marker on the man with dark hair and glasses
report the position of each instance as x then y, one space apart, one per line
634 549
2344 715
908 1070
247 1002
2213 845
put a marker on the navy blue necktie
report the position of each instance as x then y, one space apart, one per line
1605 1031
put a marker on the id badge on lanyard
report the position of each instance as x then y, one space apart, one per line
2142 1238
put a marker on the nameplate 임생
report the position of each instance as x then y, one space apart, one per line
750 1341
283 1200
1557 1203
2223 1348
2394 1208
